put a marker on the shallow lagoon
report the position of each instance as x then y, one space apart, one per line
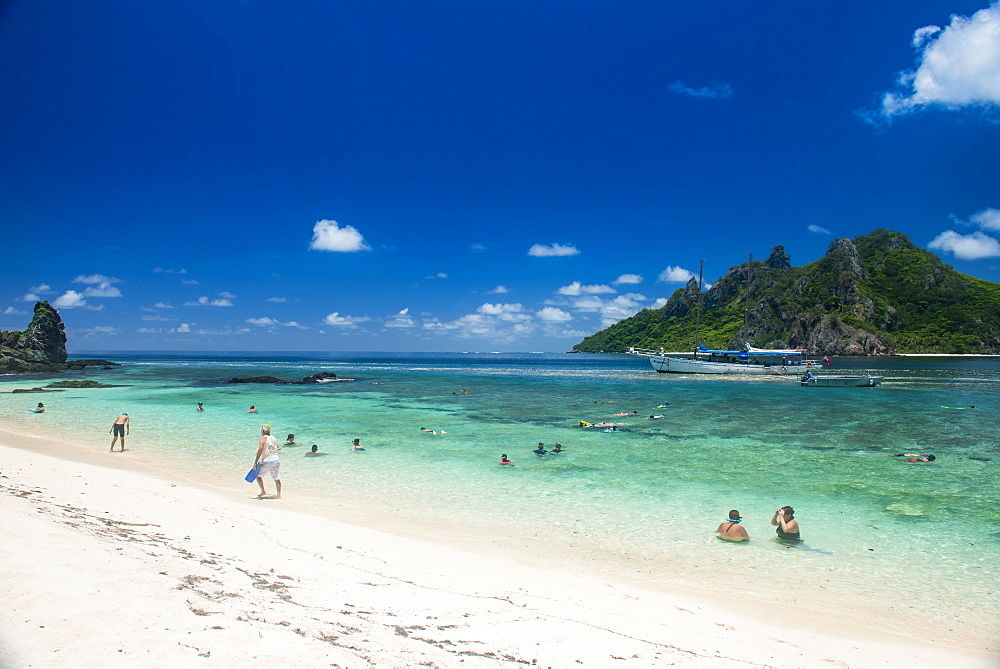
900 541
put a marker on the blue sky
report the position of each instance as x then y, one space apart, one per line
468 176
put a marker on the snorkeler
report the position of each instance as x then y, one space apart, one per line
731 530
540 450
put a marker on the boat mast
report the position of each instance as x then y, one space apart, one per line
697 315
746 306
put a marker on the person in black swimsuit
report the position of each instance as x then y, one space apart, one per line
787 526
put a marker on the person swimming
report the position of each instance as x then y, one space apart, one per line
540 450
927 457
290 441
314 451
557 449
252 409
356 445
504 460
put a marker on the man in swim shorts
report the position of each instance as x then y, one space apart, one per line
119 429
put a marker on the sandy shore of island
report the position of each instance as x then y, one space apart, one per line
107 562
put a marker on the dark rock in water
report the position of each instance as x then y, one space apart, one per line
29 390
258 379
81 364
315 378
80 384
41 347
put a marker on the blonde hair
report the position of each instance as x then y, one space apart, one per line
265 429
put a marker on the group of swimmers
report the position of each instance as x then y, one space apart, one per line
540 451
787 528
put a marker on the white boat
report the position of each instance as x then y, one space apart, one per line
708 361
841 381
750 360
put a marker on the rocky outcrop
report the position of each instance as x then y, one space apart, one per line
319 377
39 348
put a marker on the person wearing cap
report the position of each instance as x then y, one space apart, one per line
731 530
267 461
119 429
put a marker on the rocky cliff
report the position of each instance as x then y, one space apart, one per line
877 294
39 348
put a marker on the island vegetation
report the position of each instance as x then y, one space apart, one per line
878 294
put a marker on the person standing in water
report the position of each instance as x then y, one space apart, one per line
731 530
119 428
268 462
787 526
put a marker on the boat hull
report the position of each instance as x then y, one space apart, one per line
842 381
665 364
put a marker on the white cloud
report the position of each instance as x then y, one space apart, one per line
958 66
554 315
714 90
499 290
818 230
69 300
189 282
160 270
401 320
337 320
504 312
11 311
439 275
183 327
155 317
967 247
329 236
150 330
477 248
543 251
98 330
987 219
205 302
35 291
658 302
104 289
577 288
276 299
628 278
674 274
588 303
163 305
265 321
95 278
227 295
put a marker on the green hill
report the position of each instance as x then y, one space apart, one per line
877 294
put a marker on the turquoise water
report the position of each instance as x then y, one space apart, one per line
916 545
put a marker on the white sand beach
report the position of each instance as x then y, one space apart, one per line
106 562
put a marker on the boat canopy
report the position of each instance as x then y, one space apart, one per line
750 350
